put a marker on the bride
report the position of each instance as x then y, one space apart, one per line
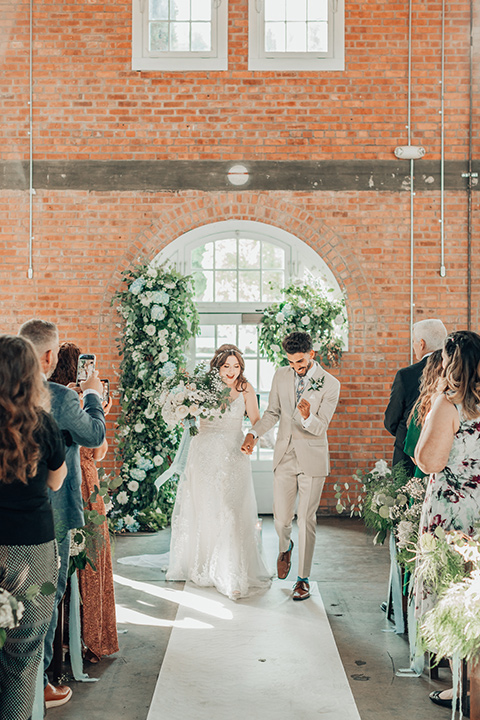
213 539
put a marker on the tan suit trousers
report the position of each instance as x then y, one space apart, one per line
288 481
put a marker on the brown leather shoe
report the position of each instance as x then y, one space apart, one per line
301 591
56 695
284 562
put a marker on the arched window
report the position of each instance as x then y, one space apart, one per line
240 267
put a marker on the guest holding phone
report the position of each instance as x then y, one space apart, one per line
99 626
32 458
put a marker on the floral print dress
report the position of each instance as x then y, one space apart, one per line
452 500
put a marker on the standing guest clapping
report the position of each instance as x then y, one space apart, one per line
32 458
80 427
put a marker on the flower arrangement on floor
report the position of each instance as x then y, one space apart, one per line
160 317
307 307
388 499
201 394
12 606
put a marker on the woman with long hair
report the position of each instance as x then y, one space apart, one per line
449 450
213 524
32 458
99 626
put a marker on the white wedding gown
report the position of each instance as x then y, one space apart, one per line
213 523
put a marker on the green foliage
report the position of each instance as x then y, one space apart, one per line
306 308
160 317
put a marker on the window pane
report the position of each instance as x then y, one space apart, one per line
274 10
205 342
203 281
296 10
201 37
226 286
318 10
247 339
251 371
158 37
248 253
272 256
296 37
274 37
226 334
179 36
158 10
267 371
248 286
179 9
226 253
202 257
317 37
202 10
272 283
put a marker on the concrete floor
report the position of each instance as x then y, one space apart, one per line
352 575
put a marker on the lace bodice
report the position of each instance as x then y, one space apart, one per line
228 423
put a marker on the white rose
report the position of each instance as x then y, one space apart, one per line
163 356
157 460
139 427
194 409
150 330
122 498
280 317
182 411
318 311
150 413
305 320
133 485
338 319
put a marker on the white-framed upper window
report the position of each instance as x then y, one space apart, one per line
179 35
296 35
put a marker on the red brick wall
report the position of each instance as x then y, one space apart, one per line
88 104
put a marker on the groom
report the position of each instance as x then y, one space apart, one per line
303 397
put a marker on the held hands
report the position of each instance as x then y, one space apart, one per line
303 408
248 444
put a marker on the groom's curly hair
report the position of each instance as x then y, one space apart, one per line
297 342
220 358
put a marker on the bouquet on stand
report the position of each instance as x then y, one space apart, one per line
186 397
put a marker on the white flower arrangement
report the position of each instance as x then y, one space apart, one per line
185 397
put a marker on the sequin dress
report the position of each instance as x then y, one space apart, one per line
99 627
213 523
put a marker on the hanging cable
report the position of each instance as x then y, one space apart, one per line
443 271
30 133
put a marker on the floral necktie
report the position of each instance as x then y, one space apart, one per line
300 388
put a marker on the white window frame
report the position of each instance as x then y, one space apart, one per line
143 59
258 59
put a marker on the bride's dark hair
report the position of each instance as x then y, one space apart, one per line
220 358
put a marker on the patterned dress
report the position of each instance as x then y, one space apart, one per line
452 499
99 627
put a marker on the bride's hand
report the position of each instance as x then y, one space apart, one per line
248 444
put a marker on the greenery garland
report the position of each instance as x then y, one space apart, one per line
160 317
307 307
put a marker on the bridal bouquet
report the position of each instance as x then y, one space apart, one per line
201 394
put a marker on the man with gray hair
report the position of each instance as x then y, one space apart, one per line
428 336
80 427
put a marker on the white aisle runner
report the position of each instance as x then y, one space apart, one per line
259 658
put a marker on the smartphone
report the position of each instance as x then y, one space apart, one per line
106 391
85 367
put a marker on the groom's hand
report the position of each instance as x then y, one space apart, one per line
248 444
304 408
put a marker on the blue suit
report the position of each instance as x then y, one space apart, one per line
80 427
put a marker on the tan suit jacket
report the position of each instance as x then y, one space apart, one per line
311 445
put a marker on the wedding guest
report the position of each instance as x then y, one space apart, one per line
428 392
449 450
213 541
32 458
99 624
80 427
303 398
428 335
